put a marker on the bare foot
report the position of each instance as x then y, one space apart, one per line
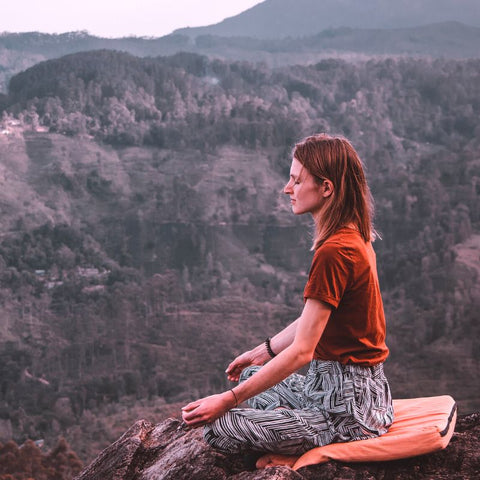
276 459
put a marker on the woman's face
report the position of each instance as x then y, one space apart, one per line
306 194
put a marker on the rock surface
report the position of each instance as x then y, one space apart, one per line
167 452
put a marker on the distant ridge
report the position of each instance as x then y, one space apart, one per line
447 39
298 18
452 39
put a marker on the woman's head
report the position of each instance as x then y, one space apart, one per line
343 194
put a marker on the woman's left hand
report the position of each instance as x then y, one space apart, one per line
206 410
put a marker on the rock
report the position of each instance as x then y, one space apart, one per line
167 452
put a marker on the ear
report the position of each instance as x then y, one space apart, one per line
327 188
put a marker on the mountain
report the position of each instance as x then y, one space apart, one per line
442 40
299 18
18 51
284 32
145 240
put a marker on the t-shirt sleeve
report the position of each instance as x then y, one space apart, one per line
329 275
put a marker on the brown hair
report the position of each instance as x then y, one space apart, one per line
334 158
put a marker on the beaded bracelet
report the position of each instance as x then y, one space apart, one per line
269 348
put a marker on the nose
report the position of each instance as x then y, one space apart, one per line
288 189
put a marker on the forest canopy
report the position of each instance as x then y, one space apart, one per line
188 99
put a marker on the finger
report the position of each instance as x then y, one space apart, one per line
235 372
189 417
190 413
193 421
233 369
230 367
191 406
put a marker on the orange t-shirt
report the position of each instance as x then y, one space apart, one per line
344 275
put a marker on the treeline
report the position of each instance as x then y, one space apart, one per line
28 461
189 101
415 122
167 102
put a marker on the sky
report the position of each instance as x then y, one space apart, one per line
115 18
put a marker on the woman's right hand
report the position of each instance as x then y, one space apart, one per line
259 354
246 359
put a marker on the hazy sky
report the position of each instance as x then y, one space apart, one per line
115 18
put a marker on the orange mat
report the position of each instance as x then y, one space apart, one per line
421 425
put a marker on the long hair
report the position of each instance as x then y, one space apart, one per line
334 158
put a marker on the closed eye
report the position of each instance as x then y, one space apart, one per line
295 180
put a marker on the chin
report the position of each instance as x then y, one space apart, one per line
296 211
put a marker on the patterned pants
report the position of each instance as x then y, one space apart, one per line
332 403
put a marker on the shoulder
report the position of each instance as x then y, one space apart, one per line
346 245
333 268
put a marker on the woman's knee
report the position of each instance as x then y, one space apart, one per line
220 438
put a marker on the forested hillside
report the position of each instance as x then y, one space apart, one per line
448 39
145 240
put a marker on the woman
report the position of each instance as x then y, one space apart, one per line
341 331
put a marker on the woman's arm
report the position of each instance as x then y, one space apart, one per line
284 338
259 354
309 329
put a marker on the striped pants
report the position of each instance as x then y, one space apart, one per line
332 403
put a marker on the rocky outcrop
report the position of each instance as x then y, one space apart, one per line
167 452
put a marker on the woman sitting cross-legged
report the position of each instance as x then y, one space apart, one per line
340 332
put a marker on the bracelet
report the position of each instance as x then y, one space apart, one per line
235 396
269 348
